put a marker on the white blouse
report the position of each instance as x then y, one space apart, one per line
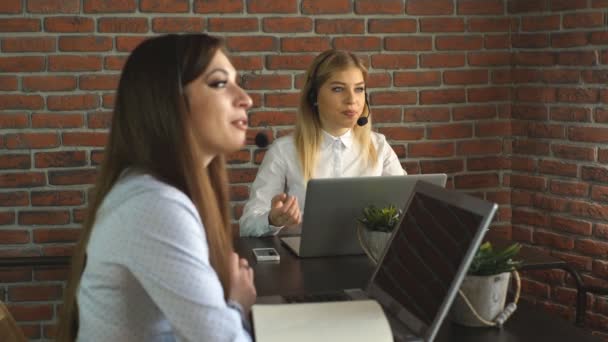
281 172
148 275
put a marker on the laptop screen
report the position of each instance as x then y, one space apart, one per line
423 259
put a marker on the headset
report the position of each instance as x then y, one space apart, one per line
312 93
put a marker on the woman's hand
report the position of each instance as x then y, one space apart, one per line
242 288
284 211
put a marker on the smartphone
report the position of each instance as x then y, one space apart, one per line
266 254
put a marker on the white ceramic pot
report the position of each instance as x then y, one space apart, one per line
487 294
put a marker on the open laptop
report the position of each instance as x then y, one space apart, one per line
333 205
415 281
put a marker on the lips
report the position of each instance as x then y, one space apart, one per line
240 123
349 113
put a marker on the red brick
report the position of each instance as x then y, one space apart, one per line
8 83
98 82
415 78
72 102
489 129
123 25
251 81
598 174
379 7
28 44
378 80
465 77
526 6
599 3
431 149
85 43
429 7
402 133
339 26
489 58
530 40
531 147
442 96
589 210
540 23
300 62
247 62
449 131
60 159
57 198
53 6
48 83
72 24
468 42
177 25
242 175
13 199
15 161
473 112
49 217
287 24
562 5
164 6
595 76
573 152
109 6
6 218
585 58
21 64
528 182
588 134
18 120
239 192
399 61
535 94
270 6
233 24
426 114
358 43
56 235
602 156
488 24
553 240
530 218
283 100
599 37
11 6
392 25
570 114
72 177
57 120
535 58
542 130
97 157
592 247
271 118
14 236
31 312
98 139
251 43
578 95
128 43
568 39
442 166
487 163
599 193
239 157
477 147
393 98
74 63
570 225
326 7
34 293
488 94
480 7
31 140
22 180
476 181
557 168
561 76
408 43
589 19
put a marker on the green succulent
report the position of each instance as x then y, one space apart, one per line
380 219
487 261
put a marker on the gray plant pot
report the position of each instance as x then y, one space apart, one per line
487 294
375 242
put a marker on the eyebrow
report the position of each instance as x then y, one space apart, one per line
211 72
342 83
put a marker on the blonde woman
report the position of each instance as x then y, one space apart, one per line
155 261
333 138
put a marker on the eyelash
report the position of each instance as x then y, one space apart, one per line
218 84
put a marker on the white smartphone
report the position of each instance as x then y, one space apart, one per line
266 254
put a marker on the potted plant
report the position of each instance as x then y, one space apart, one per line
482 295
375 228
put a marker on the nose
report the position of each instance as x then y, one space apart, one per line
350 96
243 100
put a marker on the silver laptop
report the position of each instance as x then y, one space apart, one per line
420 272
333 205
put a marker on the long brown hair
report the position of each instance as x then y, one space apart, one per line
307 133
151 132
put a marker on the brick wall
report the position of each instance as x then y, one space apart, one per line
508 97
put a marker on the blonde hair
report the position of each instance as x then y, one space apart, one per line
151 132
307 134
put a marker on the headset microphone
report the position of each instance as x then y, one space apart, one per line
261 140
362 121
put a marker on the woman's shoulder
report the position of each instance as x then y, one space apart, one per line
378 138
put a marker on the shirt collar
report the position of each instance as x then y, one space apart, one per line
346 139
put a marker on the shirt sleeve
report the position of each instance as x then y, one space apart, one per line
170 259
269 182
390 162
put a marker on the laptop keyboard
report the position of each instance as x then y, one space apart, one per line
318 297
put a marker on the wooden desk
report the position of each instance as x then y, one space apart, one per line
299 276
